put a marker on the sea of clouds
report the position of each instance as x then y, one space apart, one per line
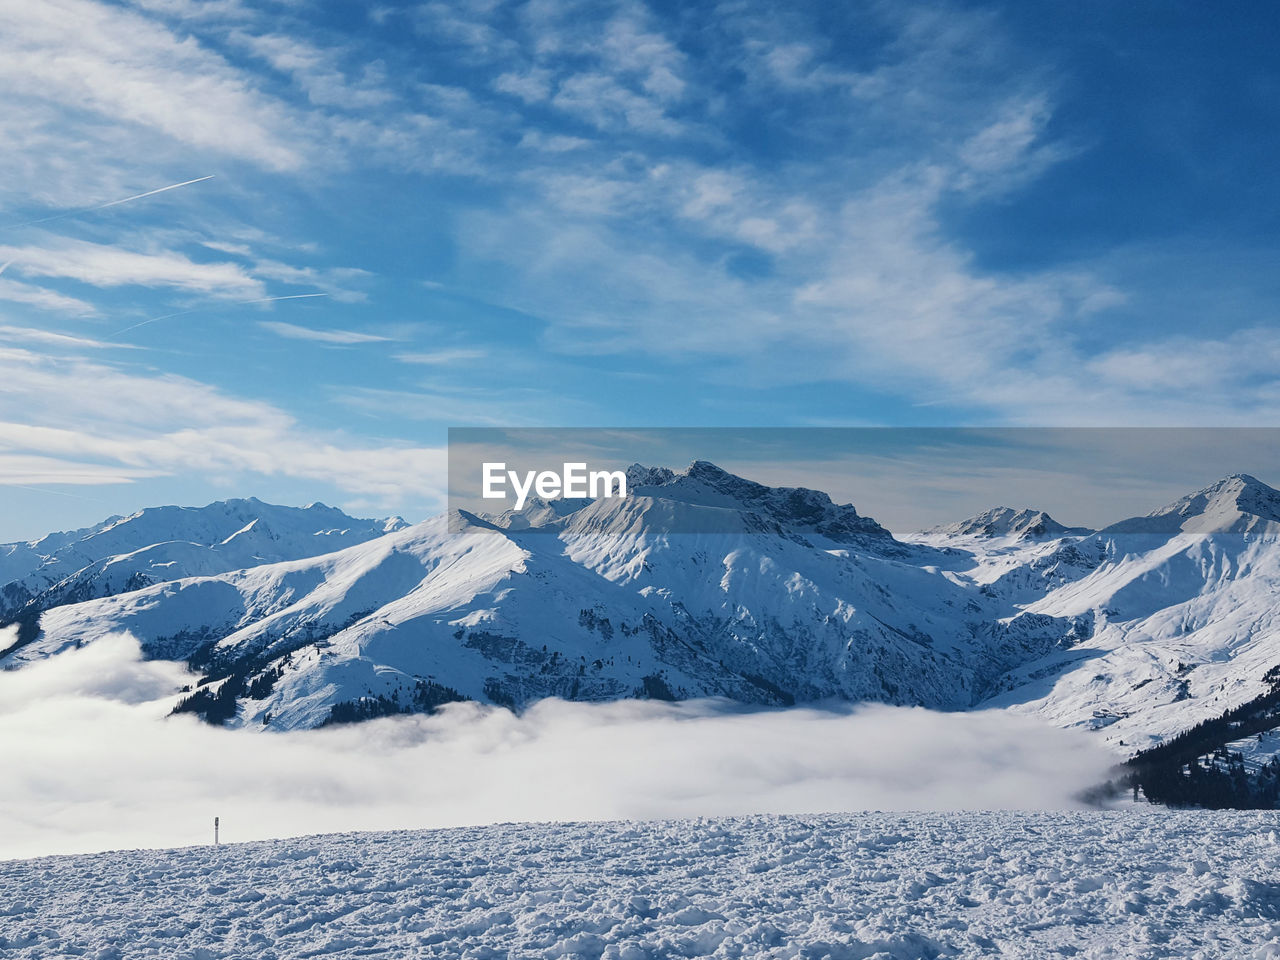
93 762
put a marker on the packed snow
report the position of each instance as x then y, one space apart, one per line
873 885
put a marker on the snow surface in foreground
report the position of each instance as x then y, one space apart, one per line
1116 884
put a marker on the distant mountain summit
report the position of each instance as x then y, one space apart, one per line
1006 522
160 544
1235 504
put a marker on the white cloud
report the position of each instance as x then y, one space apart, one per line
191 10
463 24
235 249
129 69
1011 150
17 292
335 281
631 46
599 99
91 764
452 405
89 112
533 86
70 420
18 469
294 332
809 265
104 265
437 358
1188 363
537 140
55 339
871 290
616 72
1004 142
317 71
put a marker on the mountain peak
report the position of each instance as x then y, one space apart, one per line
1024 524
706 484
1238 503
168 542
638 475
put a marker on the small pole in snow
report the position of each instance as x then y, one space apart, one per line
215 831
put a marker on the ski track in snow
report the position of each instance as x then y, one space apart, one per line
885 886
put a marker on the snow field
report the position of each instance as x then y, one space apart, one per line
885 886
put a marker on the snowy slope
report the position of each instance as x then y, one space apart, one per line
1235 504
785 597
891 887
167 543
1185 625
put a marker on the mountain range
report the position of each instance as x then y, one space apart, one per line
300 617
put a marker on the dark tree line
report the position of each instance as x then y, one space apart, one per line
1195 768
1219 781
28 624
214 706
425 697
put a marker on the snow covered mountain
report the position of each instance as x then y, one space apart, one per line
159 544
1185 626
782 596
1139 631
1006 522
1235 504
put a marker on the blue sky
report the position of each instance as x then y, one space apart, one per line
610 214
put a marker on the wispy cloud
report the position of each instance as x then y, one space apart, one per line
114 203
107 265
531 86
740 197
555 143
438 358
463 403
465 26
195 310
122 68
55 339
293 331
607 104
831 271
318 71
336 282
15 291
72 420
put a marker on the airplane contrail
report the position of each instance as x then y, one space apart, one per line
112 203
183 313
152 193
292 296
57 493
